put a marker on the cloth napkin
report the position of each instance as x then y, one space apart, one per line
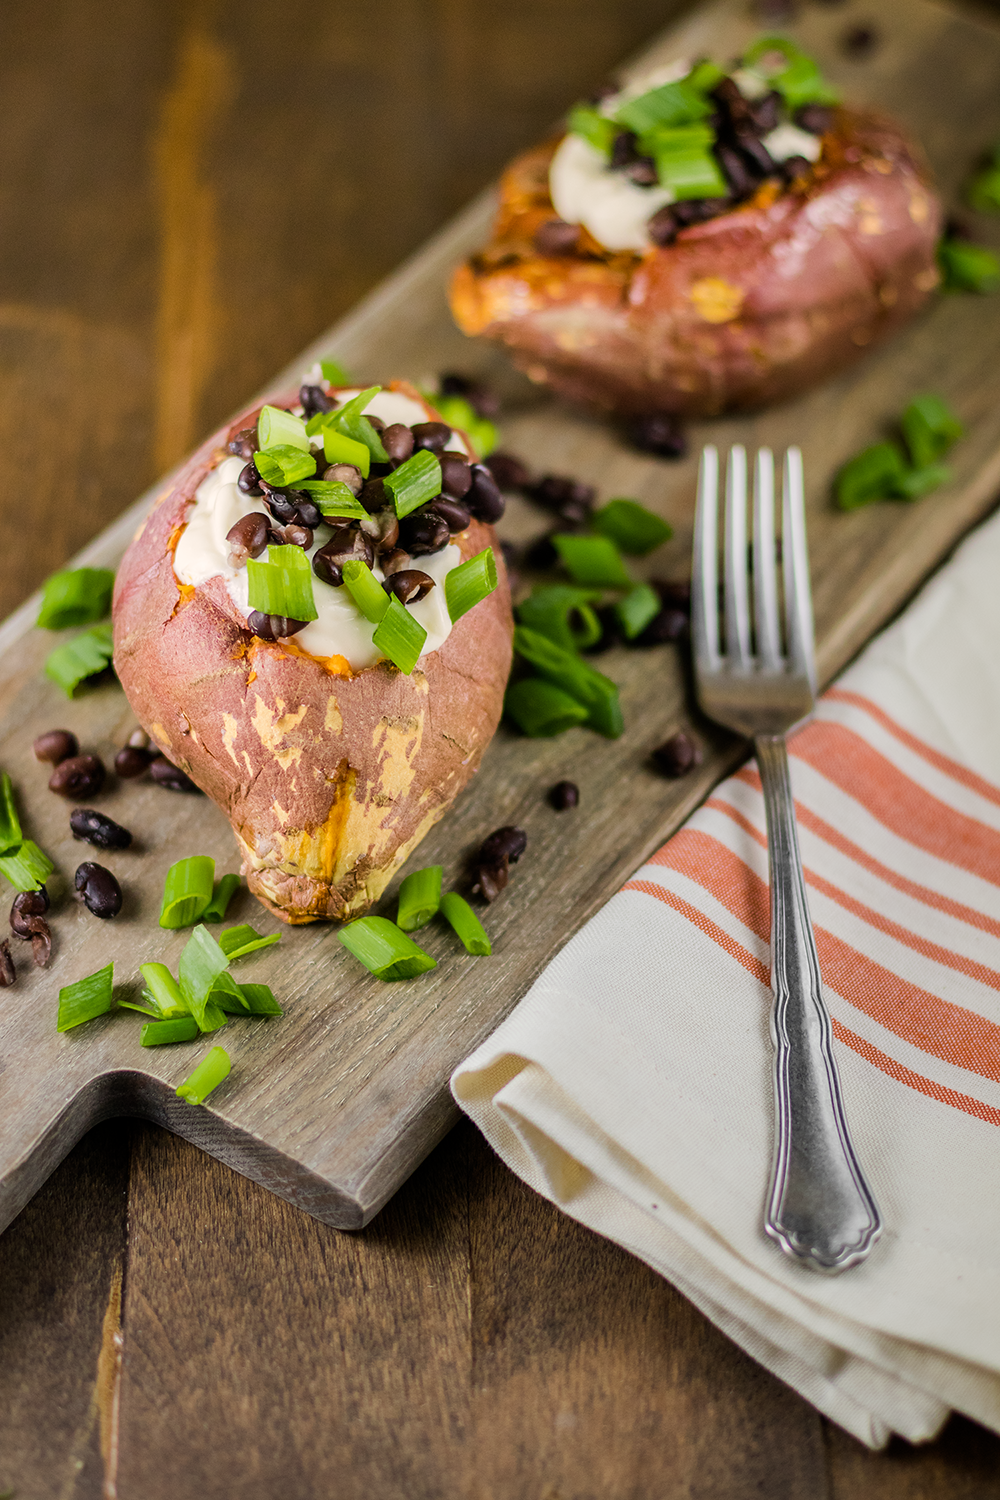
632 1085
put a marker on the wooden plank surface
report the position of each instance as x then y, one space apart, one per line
471 1341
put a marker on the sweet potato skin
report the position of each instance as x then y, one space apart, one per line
742 311
329 778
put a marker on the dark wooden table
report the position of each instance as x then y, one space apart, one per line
190 191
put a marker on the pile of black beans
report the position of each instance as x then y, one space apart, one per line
468 491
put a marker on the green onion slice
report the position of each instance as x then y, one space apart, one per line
226 996
284 464
26 867
161 1033
684 160
366 591
10 823
187 891
419 898
566 670
541 710
277 429
458 412
202 961
162 989
875 474
82 657
338 448
639 606
467 926
400 637
144 1010
917 482
86 999
415 482
930 428
799 81
260 1000
334 498
631 527
563 613
672 104
983 192
236 942
207 1075
384 949
223 892
469 583
75 597
596 129
967 268
349 420
283 584
334 373
593 560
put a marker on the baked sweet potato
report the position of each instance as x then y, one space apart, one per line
329 776
756 304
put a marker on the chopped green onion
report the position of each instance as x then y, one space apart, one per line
10 823
223 892
334 498
85 999
596 129
75 597
983 192
631 526
684 160
283 584
284 465
207 1075
187 891
227 997
592 560
799 81
163 991
384 949
672 104
467 926
26 867
202 961
144 1010
704 76
874 474
540 709
567 671
967 268
366 591
334 373
278 428
469 583
84 656
917 482
400 637
930 428
419 898
236 942
214 1017
563 613
639 606
260 1000
349 420
458 412
415 482
338 448
162 1033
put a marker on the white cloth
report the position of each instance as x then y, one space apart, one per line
632 1085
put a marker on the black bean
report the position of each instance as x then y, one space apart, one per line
483 496
658 433
244 444
247 538
131 761
397 440
859 41
29 904
510 473
766 113
668 625
434 436
816 118
394 561
249 481
643 172
662 227
738 175
346 474
8 973
294 535
313 398
555 491
490 880
281 506
382 528
484 402
373 496
564 795
456 476
376 422
674 592
56 745
98 889
27 920
503 843
347 544
96 829
795 166
457 516
776 11
79 776
167 775
678 755
556 237
422 533
409 585
755 153
542 553
308 514
451 383
268 628
624 149
699 210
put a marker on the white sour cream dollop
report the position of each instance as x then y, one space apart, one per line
340 628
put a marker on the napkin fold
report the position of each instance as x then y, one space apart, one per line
632 1085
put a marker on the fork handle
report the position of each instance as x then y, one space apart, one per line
819 1209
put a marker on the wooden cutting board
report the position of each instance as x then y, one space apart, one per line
334 1105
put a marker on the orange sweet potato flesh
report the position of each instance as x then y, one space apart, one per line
751 307
329 778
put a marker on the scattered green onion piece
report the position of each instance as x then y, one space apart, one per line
222 893
162 1033
917 482
162 989
639 606
334 373
260 1000
236 942
566 670
334 498
596 129
214 1017
799 81
631 527
542 710
704 76
400 637
593 561
26 867
277 428
283 584
384 949
349 419
366 591
563 613
82 657
671 105
469 583
227 997
983 192
144 1010
415 482
10 823
201 963
86 999
187 891
967 268
207 1076
874 474
284 465
467 926
684 160
930 428
458 412
419 898
338 448
75 597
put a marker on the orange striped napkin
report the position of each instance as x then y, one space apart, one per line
632 1085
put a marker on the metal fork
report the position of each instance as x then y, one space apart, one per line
819 1209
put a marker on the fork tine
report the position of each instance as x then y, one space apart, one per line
705 571
795 558
765 583
737 592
